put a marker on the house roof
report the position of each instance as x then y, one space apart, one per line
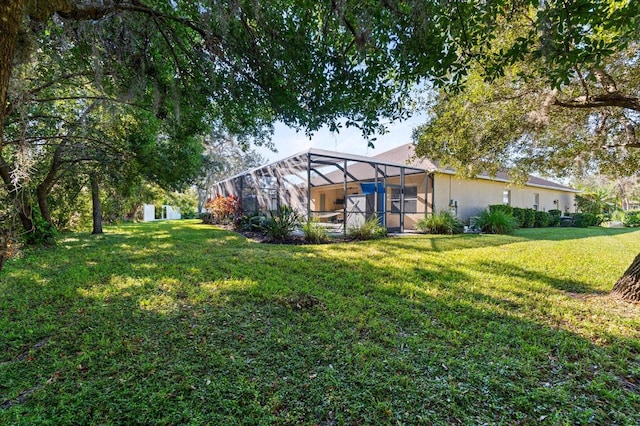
359 167
362 168
406 154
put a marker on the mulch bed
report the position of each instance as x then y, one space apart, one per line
292 240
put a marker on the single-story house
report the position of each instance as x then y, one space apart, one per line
343 190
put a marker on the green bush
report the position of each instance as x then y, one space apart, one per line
495 222
583 220
371 229
529 218
314 232
443 222
554 217
251 222
501 207
206 218
518 214
542 219
42 234
632 219
281 223
618 216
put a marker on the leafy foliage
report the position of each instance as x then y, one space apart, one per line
583 220
632 219
281 223
519 216
314 232
502 207
542 219
443 222
529 218
224 210
251 222
371 229
554 217
495 222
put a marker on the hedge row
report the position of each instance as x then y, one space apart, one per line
530 218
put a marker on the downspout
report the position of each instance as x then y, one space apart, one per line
308 187
433 193
375 194
344 203
426 193
402 200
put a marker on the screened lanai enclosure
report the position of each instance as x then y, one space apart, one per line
341 191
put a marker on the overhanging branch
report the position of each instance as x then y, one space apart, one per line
601 101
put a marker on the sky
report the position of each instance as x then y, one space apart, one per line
350 140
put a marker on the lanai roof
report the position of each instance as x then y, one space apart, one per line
363 168
405 155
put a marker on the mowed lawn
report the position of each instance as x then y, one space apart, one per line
182 323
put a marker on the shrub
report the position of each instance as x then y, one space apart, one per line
443 222
43 232
502 207
206 218
632 219
618 216
583 220
495 222
542 219
518 214
529 218
224 210
554 217
370 229
314 232
251 222
281 223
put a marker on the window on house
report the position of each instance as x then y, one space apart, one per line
506 197
410 199
536 201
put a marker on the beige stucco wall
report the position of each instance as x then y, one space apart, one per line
475 195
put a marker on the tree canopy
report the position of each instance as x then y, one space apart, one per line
564 99
518 76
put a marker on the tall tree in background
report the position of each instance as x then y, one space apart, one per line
564 100
312 63
244 64
225 156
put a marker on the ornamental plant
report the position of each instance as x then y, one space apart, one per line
495 222
443 222
224 210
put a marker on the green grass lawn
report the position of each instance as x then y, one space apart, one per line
181 323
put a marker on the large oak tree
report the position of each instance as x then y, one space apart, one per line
311 63
565 99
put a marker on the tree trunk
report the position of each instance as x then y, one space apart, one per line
10 17
628 286
97 209
4 245
43 203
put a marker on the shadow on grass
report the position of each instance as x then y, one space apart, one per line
443 243
515 272
211 328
